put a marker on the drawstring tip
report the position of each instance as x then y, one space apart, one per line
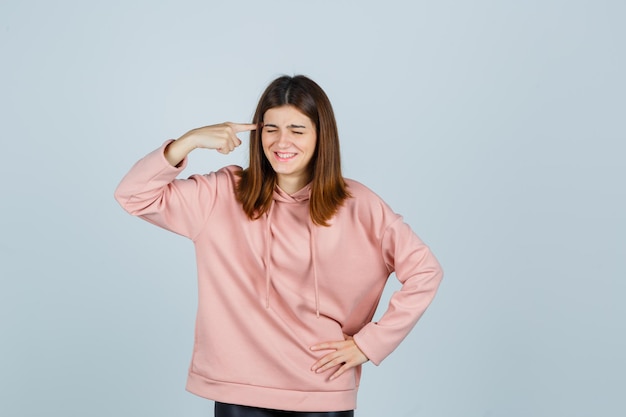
317 313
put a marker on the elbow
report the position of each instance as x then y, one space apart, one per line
435 267
118 196
121 197
438 274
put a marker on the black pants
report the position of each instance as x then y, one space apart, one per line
232 410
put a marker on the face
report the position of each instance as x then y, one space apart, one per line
289 139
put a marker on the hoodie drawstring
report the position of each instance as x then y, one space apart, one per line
268 241
312 231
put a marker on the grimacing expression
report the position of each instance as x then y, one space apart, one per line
289 139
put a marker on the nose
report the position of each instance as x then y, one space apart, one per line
284 139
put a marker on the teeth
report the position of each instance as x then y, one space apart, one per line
285 155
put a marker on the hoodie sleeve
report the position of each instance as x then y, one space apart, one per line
151 191
420 274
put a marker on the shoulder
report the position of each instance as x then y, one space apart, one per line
361 194
229 170
222 181
228 174
366 204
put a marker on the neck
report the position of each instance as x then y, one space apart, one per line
291 185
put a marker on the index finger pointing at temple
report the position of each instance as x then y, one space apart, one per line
243 127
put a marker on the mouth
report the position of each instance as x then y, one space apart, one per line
284 156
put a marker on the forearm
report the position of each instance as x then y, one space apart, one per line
178 150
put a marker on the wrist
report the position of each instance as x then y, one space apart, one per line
178 150
188 141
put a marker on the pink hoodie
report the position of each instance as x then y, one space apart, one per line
271 288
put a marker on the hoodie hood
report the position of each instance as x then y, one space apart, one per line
304 194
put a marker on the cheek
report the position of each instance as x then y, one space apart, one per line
267 139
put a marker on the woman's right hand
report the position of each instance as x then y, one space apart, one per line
221 137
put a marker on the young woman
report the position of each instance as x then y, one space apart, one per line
292 259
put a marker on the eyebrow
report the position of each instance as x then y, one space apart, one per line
292 126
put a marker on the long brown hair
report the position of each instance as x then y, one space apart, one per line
328 188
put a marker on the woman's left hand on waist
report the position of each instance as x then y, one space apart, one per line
346 354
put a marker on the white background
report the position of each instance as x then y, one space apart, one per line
496 128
